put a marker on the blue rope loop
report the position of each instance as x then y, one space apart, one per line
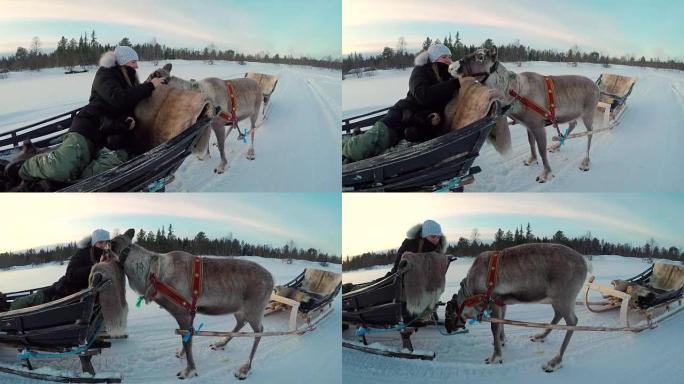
191 332
562 137
451 184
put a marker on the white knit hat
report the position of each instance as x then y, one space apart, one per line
431 228
124 54
99 235
437 50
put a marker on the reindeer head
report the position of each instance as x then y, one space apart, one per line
119 244
460 308
163 72
479 62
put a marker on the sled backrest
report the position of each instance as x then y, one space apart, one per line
266 82
615 85
472 103
667 276
320 282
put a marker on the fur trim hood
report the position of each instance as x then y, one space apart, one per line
108 59
414 233
84 242
421 59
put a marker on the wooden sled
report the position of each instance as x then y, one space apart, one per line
654 295
267 83
63 328
309 297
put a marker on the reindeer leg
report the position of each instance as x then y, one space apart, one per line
540 135
497 331
533 155
250 151
568 314
556 144
220 133
243 372
185 322
221 344
588 120
541 336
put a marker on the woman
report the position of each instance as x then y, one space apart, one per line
76 277
115 92
430 89
426 237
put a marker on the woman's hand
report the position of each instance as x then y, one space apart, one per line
157 81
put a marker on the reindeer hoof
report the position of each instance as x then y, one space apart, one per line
180 354
535 339
243 372
530 161
494 360
217 347
552 365
544 177
186 374
584 166
251 155
554 147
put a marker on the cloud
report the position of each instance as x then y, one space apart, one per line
373 222
529 23
37 220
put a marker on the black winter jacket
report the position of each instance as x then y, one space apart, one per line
77 273
430 87
111 97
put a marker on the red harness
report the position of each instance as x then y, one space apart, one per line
232 118
549 114
173 295
485 298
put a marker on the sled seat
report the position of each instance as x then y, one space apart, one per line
615 89
266 82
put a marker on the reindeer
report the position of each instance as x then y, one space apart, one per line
248 97
240 287
112 299
529 273
575 97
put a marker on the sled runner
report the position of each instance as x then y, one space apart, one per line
149 172
379 306
651 296
441 164
64 328
308 296
615 89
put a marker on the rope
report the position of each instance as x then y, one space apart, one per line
191 332
27 354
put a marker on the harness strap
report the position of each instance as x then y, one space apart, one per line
173 295
492 274
232 118
549 114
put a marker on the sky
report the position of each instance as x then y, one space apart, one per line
311 220
651 28
288 27
373 222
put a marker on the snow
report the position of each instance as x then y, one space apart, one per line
148 355
591 357
297 147
640 154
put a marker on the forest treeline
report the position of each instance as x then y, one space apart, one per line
585 244
165 240
72 54
399 57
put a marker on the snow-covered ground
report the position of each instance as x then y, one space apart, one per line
297 147
148 355
591 357
641 154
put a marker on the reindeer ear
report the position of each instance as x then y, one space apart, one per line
168 67
130 233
